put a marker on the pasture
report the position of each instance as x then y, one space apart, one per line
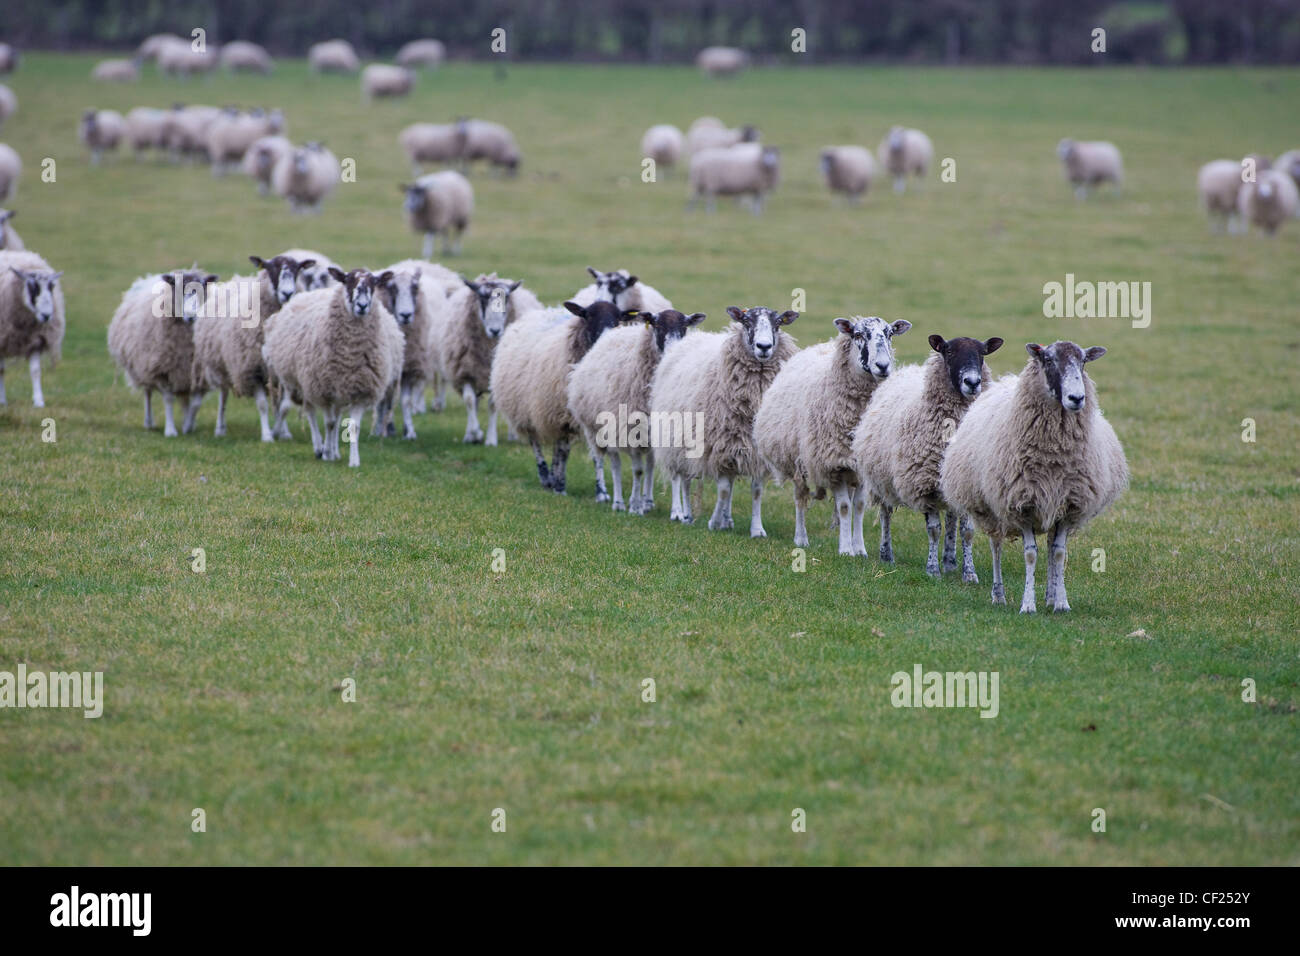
522 690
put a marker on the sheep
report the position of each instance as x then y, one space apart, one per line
32 316
154 347
229 136
315 276
610 387
116 71
804 427
418 53
241 55
333 56
530 375
718 380
1032 455
749 169
467 326
337 349
623 289
306 176
900 440
707 132
8 58
491 142
181 59
439 203
432 143
185 130
721 60
664 144
905 152
153 45
228 341
8 103
260 159
1269 201
1288 162
1090 164
146 129
101 130
385 80
10 241
848 170
11 167
1218 182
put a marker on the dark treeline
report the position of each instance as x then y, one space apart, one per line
977 31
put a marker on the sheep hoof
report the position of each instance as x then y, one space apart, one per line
169 433
1028 607
1060 607
999 594
970 577
757 533
949 564
267 437
887 555
618 506
408 435
602 497
473 438
320 453
38 404
687 520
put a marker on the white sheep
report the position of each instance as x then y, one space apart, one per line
260 159
386 81
708 132
747 170
185 130
664 144
151 46
439 203
306 176
8 103
333 56
229 137
432 143
712 385
101 130
1034 455
900 441
151 339
530 375
1218 182
1090 164
466 329
491 142
32 316
146 128
1269 201
424 52
622 288
181 59
116 71
1289 163
609 398
849 170
905 152
721 60
414 295
242 56
339 350
11 167
10 241
804 427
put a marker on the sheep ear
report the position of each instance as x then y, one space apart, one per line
1035 351
937 343
631 281
899 327
1094 353
844 325
594 274
695 318
306 263
6 214
634 315
338 274
992 345
576 309
57 275
737 315
257 261
209 279
17 272
384 277
168 277
515 285
785 318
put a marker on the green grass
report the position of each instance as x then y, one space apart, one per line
522 690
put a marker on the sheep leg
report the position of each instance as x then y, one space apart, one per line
1080 192
688 515
616 478
3 401
491 439
934 531
439 393
756 509
169 429
800 514
900 183
1027 605
148 404
427 248
968 574
34 366
1057 600
675 496
636 504
722 509
559 462
408 409
598 463
191 412
473 433
332 424
220 428
354 453
844 511
859 512
648 483
999 593
281 429
886 541
377 429
543 473
950 541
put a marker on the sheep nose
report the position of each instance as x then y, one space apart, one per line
973 384
1076 401
882 368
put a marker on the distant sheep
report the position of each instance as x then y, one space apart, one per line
383 80
905 152
8 103
260 159
491 142
1218 183
665 144
1034 455
116 71
181 59
1289 163
241 56
185 130
333 56
419 53
229 136
10 241
1269 201
101 130
749 170
146 128
8 58
625 290
432 143
11 167
1090 165
721 60
153 45
306 176
439 203
848 170
708 132
415 300
32 316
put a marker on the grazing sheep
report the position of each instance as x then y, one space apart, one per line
260 159
1090 164
530 375
306 176
721 60
421 53
153 45
8 58
101 130
900 442
185 130
8 103
432 143
609 390
664 144
749 169
1269 201
146 129
116 71
718 380
385 80
439 203
181 59
707 132
241 56
333 56
905 152
229 137
804 427
1218 183
315 276
31 315
1032 455
491 142
228 341
339 350
623 289
466 327
10 241
11 167
848 170
154 347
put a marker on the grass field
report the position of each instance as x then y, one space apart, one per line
522 690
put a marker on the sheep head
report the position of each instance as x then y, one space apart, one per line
964 358
872 338
1060 366
761 329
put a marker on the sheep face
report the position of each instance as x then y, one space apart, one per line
493 302
610 286
192 293
771 163
873 339
896 140
401 294
416 197
762 329
964 358
283 273
1061 365
1065 149
597 319
669 325
39 291
359 287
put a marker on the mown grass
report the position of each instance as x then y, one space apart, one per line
522 690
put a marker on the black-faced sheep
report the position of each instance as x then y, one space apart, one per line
32 317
